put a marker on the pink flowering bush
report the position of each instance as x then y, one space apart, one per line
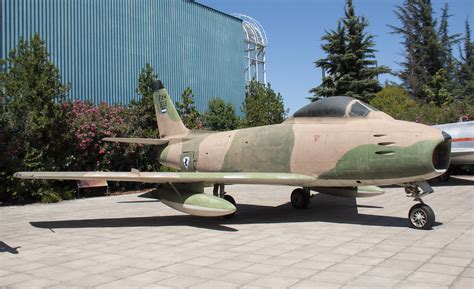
89 124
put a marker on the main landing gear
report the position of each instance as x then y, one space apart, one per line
300 198
421 216
219 191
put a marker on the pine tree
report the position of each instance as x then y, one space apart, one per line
423 51
144 108
220 115
262 105
466 67
187 110
350 63
33 120
447 41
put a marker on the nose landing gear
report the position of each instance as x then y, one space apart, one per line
421 216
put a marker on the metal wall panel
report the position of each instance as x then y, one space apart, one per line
100 46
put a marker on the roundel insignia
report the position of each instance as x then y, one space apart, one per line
186 162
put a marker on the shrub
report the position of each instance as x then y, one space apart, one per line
395 101
262 106
220 115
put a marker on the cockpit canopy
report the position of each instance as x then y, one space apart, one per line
335 106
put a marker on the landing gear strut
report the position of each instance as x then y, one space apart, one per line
421 216
219 191
300 198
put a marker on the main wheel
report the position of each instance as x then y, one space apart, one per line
231 200
421 217
300 199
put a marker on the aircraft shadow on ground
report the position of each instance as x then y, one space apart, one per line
323 209
453 182
6 248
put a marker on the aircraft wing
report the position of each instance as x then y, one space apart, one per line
176 177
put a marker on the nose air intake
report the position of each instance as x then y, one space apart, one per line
442 153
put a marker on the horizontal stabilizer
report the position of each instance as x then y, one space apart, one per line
136 140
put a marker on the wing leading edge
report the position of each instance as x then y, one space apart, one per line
176 177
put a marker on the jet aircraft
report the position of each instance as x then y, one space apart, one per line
338 146
462 148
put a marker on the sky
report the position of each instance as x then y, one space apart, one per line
294 29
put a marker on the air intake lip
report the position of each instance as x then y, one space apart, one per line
446 136
442 155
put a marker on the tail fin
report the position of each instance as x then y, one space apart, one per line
169 122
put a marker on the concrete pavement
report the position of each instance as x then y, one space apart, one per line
126 241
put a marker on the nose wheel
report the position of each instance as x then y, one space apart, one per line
421 216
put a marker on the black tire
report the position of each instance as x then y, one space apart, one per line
421 217
300 199
231 200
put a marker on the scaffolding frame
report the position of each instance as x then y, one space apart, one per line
255 49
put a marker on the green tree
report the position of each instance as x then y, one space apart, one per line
446 42
423 51
220 115
142 121
262 106
33 120
144 108
395 101
187 110
350 63
465 76
437 91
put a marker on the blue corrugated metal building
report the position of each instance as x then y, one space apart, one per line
100 46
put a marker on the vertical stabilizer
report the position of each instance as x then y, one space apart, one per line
169 122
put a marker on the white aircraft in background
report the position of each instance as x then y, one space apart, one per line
462 145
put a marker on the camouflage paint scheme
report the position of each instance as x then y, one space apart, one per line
335 151
337 145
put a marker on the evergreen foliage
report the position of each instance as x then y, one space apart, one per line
428 67
33 122
446 42
437 91
465 77
220 115
350 64
395 101
144 108
187 110
262 106
142 121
